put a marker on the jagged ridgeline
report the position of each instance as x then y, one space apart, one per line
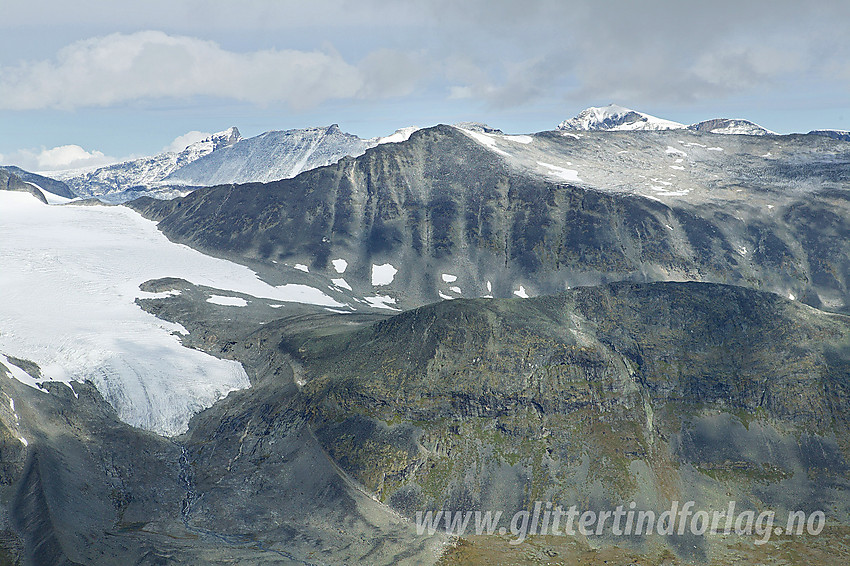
499 214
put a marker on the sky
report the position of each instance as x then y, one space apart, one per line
91 82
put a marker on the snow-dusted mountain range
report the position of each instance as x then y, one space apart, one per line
226 157
222 158
113 182
618 118
270 156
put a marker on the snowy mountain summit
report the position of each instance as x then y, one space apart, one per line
617 118
118 181
210 144
730 126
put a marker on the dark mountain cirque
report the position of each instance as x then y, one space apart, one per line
758 212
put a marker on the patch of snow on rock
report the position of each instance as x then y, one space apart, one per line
383 274
340 265
227 301
570 175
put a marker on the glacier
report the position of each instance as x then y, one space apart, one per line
70 277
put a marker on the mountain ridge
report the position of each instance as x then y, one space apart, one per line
618 118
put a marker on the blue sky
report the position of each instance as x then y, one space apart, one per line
94 81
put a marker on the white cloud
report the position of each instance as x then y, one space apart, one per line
57 158
117 68
182 142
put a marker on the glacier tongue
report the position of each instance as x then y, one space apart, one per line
70 276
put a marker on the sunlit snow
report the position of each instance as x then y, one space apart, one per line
227 301
382 302
383 274
560 172
340 265
70 276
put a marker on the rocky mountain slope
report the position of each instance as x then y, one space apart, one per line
45 184
463 213
9 181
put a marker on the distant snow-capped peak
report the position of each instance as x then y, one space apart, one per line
617 118
730 126
400 135
211 143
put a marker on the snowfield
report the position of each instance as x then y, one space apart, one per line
70 276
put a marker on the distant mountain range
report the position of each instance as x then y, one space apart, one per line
226 157
223 158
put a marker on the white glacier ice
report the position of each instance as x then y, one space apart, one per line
70 276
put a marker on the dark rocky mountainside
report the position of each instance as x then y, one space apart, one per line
45 183
596 396
9 181
442 202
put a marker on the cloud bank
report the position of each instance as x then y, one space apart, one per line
118 68
58 158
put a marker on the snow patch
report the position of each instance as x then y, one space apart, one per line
227 301
449 278
444 296
340 265
487 140
19 374
302 267
565 174
382 302
383 274
673 151
520 139
159 295
521 293
455 290
341 282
